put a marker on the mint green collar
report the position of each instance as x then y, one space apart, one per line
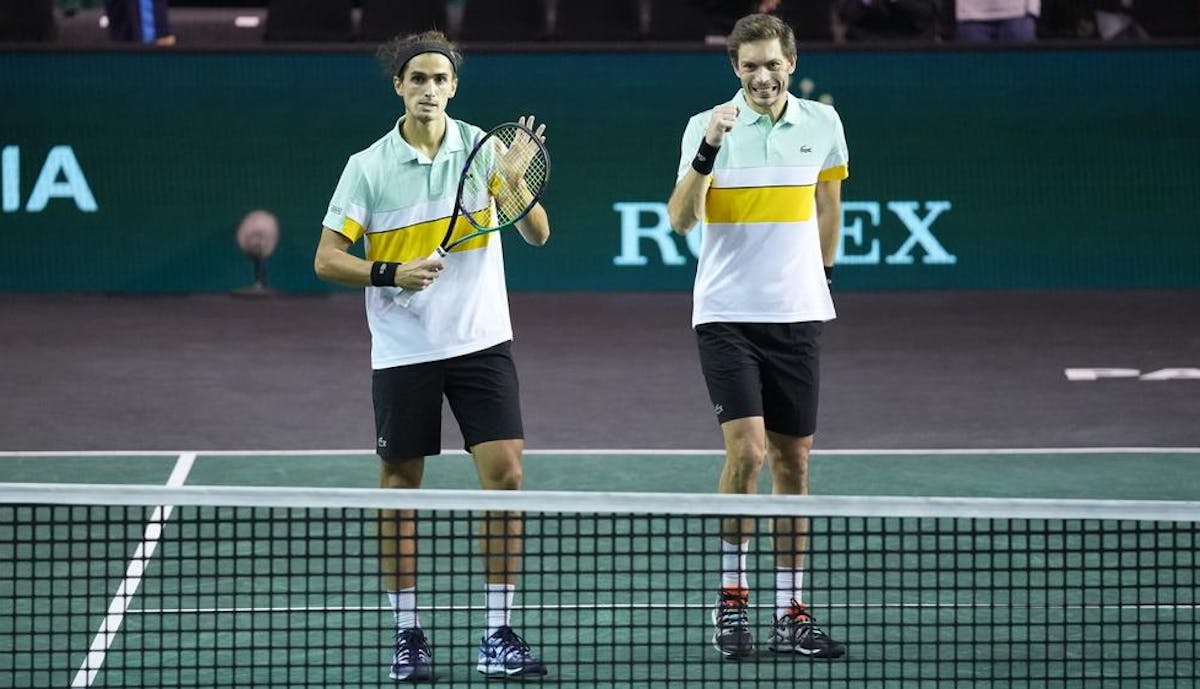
452 143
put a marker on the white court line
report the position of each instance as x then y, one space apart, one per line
133 578
655 606
883 452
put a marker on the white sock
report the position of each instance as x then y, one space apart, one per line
788 586
404 607
498 601
733 564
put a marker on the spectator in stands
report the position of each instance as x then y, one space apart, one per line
139 21
885 20
1118 20
722 14
27 21
1115 21
996 21
1067 19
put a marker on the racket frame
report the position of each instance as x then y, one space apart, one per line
403 296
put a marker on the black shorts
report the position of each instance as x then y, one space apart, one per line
483 393
763 369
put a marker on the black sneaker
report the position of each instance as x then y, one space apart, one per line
797 632
505 654
412 661
731 633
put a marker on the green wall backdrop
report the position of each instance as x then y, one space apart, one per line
995 169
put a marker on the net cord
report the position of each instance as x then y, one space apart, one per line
582 502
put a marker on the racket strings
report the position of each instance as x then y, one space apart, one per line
520 173
504 179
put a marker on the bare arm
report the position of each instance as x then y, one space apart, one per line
335 263
829 218
686 206
535 227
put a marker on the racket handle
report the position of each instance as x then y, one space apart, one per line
403 297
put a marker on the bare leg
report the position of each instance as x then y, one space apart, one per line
499 465
789 476
397 529
745 451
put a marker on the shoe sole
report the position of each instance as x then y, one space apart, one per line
734 655
424 674
826 654
501 672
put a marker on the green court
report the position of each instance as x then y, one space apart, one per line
1123 473
287 596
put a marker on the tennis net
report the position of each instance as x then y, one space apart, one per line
193 586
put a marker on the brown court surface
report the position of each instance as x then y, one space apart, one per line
599 370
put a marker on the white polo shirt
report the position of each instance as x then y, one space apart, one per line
760 254
400 202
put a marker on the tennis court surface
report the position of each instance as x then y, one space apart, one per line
232 579
260 569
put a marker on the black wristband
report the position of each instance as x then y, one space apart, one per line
705 158
383 273
829 275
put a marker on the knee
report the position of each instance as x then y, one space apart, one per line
790 472
400 474
747 448
745 456
789 468
795 456
503 476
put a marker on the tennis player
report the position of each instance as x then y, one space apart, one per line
453 340
763 172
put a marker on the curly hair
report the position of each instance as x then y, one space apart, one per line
396 53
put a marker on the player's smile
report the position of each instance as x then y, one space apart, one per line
764 71
766 91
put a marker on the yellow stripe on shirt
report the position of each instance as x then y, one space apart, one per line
419 240
833 174
759 204
351 229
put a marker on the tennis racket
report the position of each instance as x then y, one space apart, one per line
501 181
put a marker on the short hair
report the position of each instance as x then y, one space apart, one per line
396 53
761 27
